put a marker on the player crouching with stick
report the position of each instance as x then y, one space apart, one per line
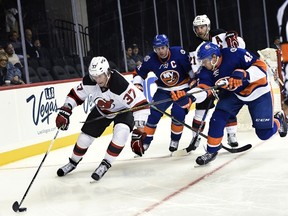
247 84
111 93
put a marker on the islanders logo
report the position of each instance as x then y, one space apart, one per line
169 77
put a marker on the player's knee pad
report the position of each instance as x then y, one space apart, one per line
154 117
84 140
178 113
217 123
121 134
265 134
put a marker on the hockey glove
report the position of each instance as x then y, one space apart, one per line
231 39
182 99
137 142
236 79
62 119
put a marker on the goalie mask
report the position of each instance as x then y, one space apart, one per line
201 20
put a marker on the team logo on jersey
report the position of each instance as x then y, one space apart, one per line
169 77
104 104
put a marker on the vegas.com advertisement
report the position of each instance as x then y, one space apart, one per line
28 114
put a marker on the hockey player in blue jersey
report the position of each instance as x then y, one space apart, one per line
222 38
171 65
247 84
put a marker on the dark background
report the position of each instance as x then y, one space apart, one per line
139 22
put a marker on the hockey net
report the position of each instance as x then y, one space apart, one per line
272 58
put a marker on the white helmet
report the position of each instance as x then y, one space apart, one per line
98 66
201 20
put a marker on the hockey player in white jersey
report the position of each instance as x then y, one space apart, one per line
222 38
111 93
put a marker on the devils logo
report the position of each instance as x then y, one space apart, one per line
103 104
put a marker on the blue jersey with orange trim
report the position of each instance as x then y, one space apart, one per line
172 72
255 83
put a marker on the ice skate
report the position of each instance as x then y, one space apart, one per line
232 140
101 170
206 158
195 143
67 168
283 123
173 145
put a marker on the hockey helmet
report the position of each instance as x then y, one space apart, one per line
207 50
160 40
98 66
201 20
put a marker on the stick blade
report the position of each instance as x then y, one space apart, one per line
15 206
237 150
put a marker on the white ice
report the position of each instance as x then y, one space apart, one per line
250 183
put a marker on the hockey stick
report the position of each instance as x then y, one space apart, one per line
183 152
17 206
192 146
152 103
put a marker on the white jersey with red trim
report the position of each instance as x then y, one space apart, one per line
119 95
217 37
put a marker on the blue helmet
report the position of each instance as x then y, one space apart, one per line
160 40
207 50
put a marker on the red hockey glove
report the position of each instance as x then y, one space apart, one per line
62 119
137 142
181 99
231 39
